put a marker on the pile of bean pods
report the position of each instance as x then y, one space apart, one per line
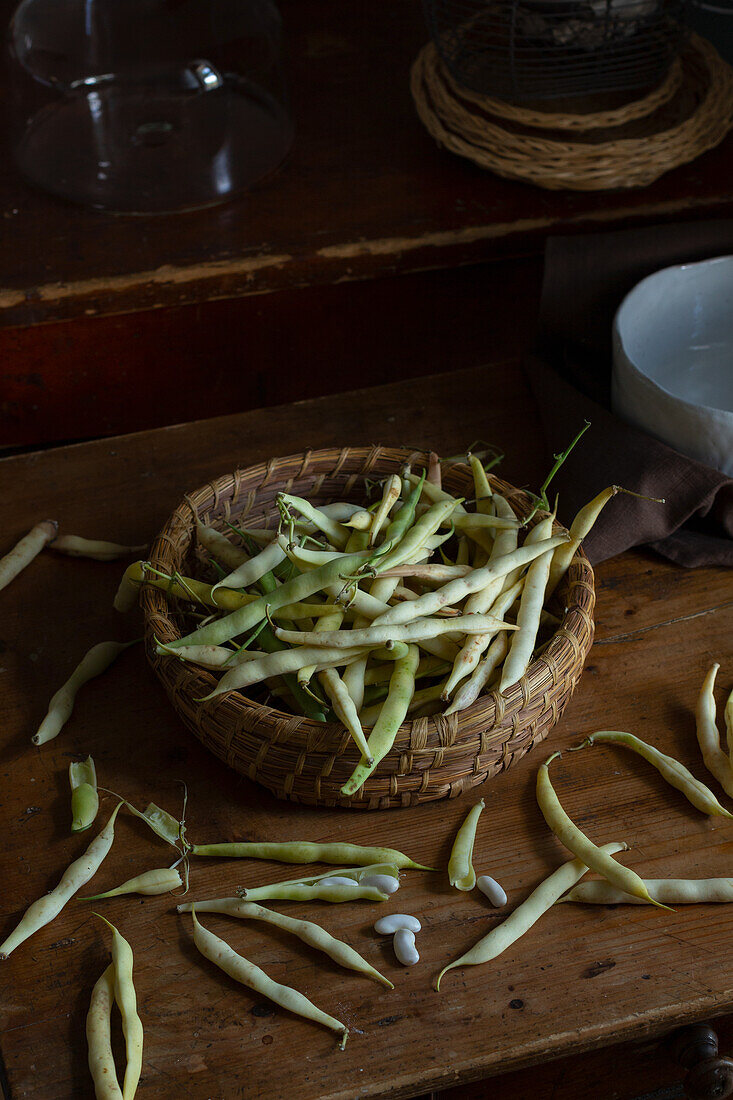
618 884
369 614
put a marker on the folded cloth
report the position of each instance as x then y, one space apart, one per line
586 278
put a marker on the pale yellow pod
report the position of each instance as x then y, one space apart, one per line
97 549
242 970
460 867
99 1038
26 550
125 996
161 880
94 663
708 737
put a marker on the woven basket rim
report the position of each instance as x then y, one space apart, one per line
462 122
418 737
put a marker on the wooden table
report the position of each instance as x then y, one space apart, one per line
581 979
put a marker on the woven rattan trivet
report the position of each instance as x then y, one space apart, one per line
628 146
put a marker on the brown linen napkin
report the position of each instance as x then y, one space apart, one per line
586 277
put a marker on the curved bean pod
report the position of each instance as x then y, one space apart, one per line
542 898
126 999
99 1038
43 911
158 881
303 851
97 549
676 891
26 550
457 590
391 717
460 868
579 844
579 528
708 737
334 531
416 536
94 663
252 569
676 774
356 874
470 690
378 635
306 584
309 933
242 970
296 891
220 547
470 655
521 645
390 496
84 796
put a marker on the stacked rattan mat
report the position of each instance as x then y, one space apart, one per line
630 145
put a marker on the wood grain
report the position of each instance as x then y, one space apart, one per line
582 979
365 192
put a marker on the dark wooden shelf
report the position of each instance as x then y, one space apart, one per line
365 193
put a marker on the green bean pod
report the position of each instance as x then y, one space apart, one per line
126 999
99 1038
391 717
357 873
43 911
579 844
84 796
242 970
307 931
280 891
460 867
305 584
542 898
161 880
676 774
163 824
676 891
302 851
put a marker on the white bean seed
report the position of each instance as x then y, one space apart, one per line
386 926
491 888
386 883
337 880
404 947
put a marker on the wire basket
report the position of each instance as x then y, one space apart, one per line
306 761
522 50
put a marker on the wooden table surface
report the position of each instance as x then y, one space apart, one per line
365 192
582 978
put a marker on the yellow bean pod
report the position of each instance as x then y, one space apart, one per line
578 843
132 1028
99 1038
676 774
242 970
84 795
460 868
528 913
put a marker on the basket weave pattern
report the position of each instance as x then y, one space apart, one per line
307 761
631 146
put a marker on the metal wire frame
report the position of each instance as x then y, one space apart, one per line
523 50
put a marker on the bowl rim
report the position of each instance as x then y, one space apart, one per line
630 364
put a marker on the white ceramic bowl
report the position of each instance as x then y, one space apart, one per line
673 359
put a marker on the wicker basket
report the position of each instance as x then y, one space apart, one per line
306 761
628 146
